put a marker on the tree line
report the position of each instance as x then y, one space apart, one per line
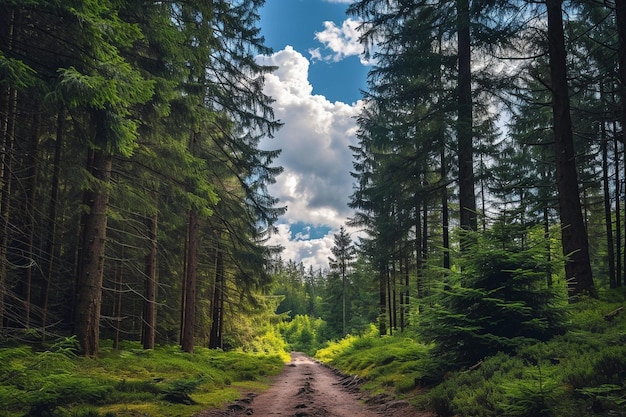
133 192
500 119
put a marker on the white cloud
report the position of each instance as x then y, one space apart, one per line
341 41
316 182
340 1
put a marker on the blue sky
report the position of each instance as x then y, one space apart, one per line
295 23
317 95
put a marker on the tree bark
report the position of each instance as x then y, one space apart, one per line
191 279
618 209
574 236
52 218
149 304
382 298
217 306
91 257
608 216
467 198
32 181
620 19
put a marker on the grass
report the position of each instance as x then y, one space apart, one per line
581 373
128 382
390 364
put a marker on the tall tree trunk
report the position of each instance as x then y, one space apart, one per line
6 95
620 20
548 248
608 216
91 258
217 306
574 235
117 300
149 305
382 297
8 135
52 218
618 209
343 301
30 209
191 279
419 267
445 212
391 305
467 197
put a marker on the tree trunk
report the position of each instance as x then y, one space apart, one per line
32 182
91 257
382 298
117 300
620 19
149 305
391 276
343 302
618 210
52 218
445 213
467 198
191 279
574 236
217 307
608 217
8 135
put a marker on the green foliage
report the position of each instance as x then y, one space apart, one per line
533 395
271 342
15 72
57 383
179 391
302 333
577 374
396 364
497 300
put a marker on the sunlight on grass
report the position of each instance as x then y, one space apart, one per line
129 382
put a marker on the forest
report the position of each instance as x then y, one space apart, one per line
489 227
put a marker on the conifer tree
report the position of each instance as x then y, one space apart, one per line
343 253
574 235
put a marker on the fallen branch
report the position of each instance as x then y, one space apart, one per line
610 316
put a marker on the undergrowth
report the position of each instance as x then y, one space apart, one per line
128 382
579 373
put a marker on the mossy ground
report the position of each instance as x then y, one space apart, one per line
127 382
580 373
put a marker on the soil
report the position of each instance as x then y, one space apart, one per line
307 388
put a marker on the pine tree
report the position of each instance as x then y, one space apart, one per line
343 253
574 235
497 301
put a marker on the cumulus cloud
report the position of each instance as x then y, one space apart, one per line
339 42
311 252
316 182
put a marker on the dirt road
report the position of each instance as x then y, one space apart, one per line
306 388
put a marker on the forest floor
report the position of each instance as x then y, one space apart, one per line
307 388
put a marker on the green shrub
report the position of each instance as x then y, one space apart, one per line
536 395
497 300
302 333
179 391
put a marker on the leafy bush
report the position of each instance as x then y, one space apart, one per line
301 333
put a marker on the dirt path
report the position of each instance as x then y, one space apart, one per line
306 388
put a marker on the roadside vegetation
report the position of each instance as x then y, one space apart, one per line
581 372
128 382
